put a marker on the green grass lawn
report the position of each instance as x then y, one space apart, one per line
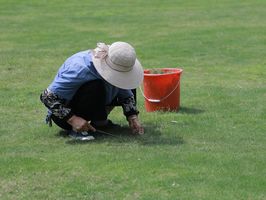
216 149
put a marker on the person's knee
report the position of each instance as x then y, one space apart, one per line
92 89
89 100
98 89
95 85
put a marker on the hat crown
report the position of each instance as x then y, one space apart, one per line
122 54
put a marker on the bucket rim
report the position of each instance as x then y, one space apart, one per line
179 71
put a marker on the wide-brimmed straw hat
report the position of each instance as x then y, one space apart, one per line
118 64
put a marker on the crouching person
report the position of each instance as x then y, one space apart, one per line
89 84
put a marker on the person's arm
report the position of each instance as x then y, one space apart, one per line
131 112
57 106
71 75
129 106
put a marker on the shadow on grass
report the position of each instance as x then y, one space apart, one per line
123 135
187 110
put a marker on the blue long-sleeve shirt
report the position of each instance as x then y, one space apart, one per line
77 70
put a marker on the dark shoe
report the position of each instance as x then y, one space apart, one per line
81 136
109 125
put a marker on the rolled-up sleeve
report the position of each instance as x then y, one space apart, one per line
126 98
56 105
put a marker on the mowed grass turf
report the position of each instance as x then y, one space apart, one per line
214 149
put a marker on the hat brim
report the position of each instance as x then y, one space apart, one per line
125 80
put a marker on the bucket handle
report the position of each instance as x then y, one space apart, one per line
158 100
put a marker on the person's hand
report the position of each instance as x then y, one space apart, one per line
79 124
135 125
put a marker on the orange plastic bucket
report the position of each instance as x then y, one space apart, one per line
161 89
